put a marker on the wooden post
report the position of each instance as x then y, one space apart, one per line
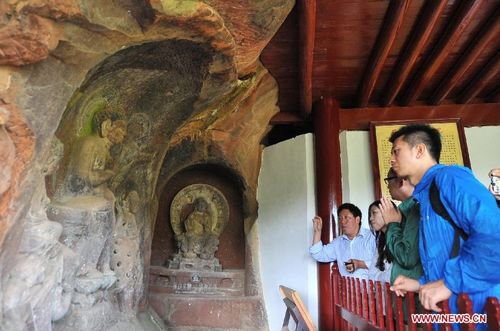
328 194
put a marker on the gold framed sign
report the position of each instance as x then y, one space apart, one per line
454 147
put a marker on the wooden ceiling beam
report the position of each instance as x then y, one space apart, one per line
421 31
470 114
476 45
494 96
392 23
481 79
454 29
284 117
307 33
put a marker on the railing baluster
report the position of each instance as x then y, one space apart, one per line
465 307
492 308
380 305
336 288
349 286
353 298
388 308
410 303
359 297
344 300
365 300
373 307
400 320
427 326
445 310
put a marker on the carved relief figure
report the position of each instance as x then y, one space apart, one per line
91 164
7 152
86 206
126 258
197 235
42 263
130 158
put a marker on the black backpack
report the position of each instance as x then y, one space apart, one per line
438 207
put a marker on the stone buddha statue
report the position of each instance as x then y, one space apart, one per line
91 165
197 234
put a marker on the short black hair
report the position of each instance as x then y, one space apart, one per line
414 134
355 211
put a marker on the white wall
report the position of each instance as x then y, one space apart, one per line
357 178
286 196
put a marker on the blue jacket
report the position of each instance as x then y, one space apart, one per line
476 269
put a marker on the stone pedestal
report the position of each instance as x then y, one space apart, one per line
209 283
194 264
215 299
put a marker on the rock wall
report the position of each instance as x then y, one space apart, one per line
183 79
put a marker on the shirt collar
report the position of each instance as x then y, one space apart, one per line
361 233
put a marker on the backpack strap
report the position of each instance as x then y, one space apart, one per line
438 207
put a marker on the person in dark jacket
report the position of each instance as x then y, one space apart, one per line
402 227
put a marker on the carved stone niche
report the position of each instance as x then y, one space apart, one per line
198 215
199 243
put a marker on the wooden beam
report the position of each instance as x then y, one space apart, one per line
328 195
283 117
494 96
488 72
392 22
454 30
476 45
471 115
421 31
307 32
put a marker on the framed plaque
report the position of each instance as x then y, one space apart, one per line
454 147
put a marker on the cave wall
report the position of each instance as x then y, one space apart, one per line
190 67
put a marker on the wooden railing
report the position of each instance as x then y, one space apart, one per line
367 305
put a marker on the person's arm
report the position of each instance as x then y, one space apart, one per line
318 251
472 207
317 226
403 244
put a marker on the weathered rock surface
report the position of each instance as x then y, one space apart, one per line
171 69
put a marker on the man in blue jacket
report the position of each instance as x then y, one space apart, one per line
475 270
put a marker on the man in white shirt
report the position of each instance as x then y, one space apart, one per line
353 250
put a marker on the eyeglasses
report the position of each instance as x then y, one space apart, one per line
388 179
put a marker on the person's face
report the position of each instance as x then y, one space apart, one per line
403 157
376 219
393 184
349 223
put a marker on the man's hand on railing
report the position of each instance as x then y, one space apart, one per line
433 293
403 284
